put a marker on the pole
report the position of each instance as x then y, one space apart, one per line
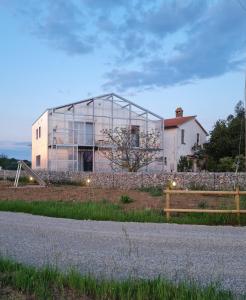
237 200
167 203
245 119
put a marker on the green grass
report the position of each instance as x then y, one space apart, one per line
126 199
48 283
155 191
106 211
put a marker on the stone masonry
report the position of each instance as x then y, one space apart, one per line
202 180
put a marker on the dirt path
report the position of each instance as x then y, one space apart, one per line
142 200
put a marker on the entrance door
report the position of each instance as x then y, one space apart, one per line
88 161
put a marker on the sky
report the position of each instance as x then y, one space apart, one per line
160 54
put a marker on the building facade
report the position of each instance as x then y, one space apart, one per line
68 137
182 135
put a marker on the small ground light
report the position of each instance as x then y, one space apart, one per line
174 184
88 180
31 178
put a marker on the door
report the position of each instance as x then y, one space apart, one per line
88 161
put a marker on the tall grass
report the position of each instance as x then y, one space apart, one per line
105 211
48 283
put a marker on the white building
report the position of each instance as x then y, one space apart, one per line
68 137
180 136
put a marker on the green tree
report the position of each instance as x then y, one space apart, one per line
227 142
10 163
184 164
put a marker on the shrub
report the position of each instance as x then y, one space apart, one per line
125 199
184 164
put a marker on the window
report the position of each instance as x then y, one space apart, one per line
38 161
135 135
36 134
89 133
182 136
197 138
165 160
39 132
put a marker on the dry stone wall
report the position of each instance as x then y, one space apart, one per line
202 180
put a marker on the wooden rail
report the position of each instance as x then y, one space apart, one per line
168 192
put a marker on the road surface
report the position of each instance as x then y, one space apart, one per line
120 250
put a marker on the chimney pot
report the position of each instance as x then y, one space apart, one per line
179 112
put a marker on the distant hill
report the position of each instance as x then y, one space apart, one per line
10 163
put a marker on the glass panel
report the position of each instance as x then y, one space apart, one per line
89 134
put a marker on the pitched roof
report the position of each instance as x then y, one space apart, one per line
176 122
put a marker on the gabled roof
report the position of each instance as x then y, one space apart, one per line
116 98
176 122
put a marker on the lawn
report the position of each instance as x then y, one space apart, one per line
106 211
48 283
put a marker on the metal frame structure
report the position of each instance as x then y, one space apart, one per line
76 127
32 175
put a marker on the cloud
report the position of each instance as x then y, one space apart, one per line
213 47
14 144
62 24
150 43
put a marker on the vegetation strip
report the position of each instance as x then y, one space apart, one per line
48 283
105 211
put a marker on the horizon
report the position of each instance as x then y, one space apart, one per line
160 55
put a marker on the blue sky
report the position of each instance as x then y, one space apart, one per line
160 54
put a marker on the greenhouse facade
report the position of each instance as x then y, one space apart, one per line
69 137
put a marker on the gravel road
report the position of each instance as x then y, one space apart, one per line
119 250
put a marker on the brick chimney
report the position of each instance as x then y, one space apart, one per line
179 112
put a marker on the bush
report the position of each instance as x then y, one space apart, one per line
125 199
226 164
184 165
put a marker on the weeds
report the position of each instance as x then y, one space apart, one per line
48 283
103 211
155 191
126 199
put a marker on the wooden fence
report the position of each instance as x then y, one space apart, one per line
235 193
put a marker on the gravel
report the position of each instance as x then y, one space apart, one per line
119 250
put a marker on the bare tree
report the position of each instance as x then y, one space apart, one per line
129 149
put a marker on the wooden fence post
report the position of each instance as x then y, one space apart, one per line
237 200
167 203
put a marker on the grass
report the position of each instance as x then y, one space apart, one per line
106 211
48 283
155 191
126 199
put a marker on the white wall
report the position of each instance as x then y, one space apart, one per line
170 148
173 146
40 145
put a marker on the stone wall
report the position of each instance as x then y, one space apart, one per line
210 181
